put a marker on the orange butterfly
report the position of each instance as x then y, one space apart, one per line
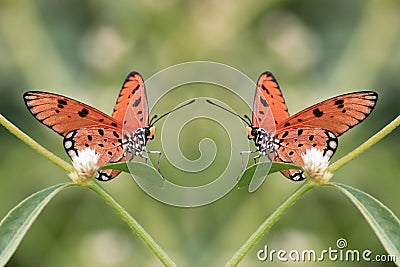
316 126
84 126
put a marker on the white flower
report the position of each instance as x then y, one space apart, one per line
315 165
85 164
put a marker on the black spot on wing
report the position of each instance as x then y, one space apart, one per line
263 102
317 113
61 102
137 102
83 113
265 89
339 102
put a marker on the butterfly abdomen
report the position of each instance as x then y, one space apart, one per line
135 144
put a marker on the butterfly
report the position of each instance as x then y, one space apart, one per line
284 138
117 138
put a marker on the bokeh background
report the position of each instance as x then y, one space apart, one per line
84 49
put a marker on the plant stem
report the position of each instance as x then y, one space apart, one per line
367 144
267 224
33 144
133 224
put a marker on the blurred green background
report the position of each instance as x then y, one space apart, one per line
84 49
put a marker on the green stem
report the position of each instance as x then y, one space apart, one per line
95 187
267 224
33 144
133 224
367 144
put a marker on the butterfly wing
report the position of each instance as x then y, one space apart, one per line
106 142
131 106
269 105
337 114
294 142
63 114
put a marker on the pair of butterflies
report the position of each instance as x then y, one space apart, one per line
84 126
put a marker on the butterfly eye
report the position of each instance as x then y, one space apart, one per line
249 132
152 132
149 132
254 132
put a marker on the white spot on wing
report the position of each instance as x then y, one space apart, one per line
332 144
72 153
68 144
329 153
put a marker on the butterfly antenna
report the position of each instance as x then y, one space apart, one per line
247 118
152 121
230 111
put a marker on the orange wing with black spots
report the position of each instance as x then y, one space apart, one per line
86 127
63 114
337 114
293 142
132 101
132 107
317 126
268 99
105 141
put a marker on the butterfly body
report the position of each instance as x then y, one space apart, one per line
134 144
285 138
115 138
265 142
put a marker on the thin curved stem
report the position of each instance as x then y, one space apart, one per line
267 224
133 224
35 145
366 145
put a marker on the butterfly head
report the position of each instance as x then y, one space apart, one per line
149 132
252 132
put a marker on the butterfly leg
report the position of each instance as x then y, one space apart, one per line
246 152
159 157
146 159
255 158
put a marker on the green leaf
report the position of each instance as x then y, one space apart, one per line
382 220
18 221
255 175
121 166
139 170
